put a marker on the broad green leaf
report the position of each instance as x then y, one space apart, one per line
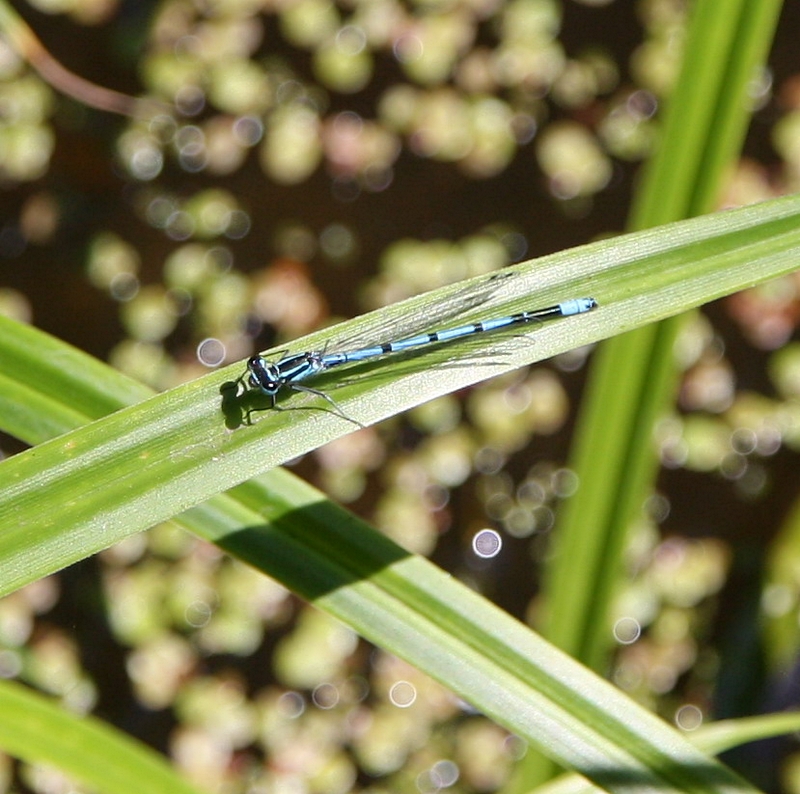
715 737
149 462
288 530
38 730
634 378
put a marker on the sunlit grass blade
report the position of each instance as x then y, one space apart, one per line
38 730
707 114
145 463
405 604
633 377
780 632
715 738
149 462
287 529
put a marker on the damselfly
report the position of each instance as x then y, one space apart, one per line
292 370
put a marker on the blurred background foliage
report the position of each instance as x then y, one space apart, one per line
310 160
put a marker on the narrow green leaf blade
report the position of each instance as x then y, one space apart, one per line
38 730
288 530
149 462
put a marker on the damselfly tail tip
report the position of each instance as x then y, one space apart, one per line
577 306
